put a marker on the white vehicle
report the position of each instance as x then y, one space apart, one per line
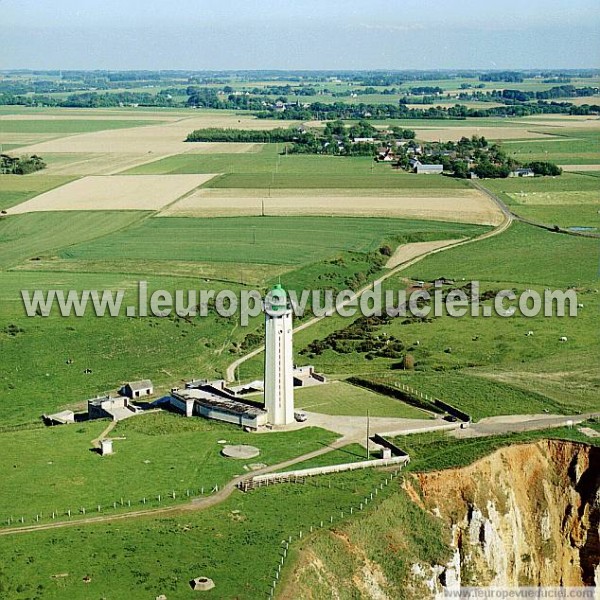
300 417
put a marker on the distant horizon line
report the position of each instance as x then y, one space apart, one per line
313 70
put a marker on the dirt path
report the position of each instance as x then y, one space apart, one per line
96 441
195 504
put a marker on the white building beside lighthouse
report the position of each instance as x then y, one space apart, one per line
279 367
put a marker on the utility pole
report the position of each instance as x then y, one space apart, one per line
368 452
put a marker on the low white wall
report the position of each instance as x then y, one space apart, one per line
365 464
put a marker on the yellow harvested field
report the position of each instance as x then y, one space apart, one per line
118 192
407 252
160 140
561 121
555 198
445 134
468 206
97 163
572 168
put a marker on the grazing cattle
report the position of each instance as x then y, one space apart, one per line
529 334
563 338
580 306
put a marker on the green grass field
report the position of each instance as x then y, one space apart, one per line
340 398
28 236
268 168
263 240
571 147
523 255
237 544
434 451
67 126
480 397
571 200
55 469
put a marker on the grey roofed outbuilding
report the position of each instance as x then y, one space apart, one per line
421 168
142 384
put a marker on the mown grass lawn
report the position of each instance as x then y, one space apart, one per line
341 398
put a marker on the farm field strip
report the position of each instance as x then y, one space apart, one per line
471 208
142 192
166 138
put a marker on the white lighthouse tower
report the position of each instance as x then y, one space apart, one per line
279 378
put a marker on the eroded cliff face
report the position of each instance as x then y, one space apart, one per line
525 515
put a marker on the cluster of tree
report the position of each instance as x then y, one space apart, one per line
508 76
361 336
560 91
213 134
544 168
12 165
341 110
475 155
340 140
93 100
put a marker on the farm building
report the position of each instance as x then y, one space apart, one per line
137 389
117 408
213 400
522 173
422 169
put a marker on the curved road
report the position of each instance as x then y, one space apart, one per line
508 219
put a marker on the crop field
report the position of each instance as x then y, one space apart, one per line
149 192
571 200
15 189
340 398
65 126
298 240
159 139
30 236
468 206
570 147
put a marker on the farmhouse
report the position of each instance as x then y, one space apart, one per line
213 400
117 408
422 169
137 389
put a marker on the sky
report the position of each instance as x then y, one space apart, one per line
299 34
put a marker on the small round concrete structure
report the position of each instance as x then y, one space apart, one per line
240 452
202 584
